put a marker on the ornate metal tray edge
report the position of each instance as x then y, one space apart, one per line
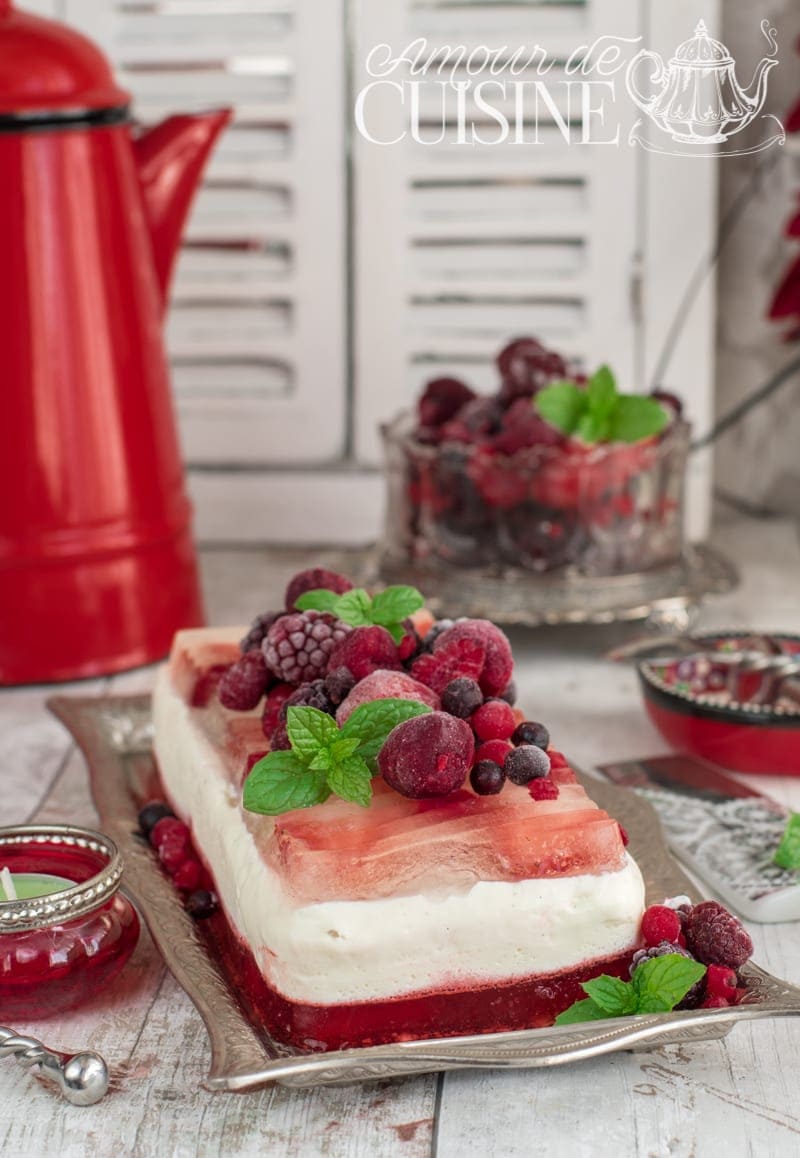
115 736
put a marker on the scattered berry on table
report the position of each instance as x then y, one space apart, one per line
188 875
494 720
526 763
660 923
172 851
276 698
201 903
168 826
310 695
495 750
721 982
428 755
315 579
150 815
487 778
245 682
529 732
460 659
461 698
543 788
386 685
339 682
365 650
716 937
258 630
298 646
498 663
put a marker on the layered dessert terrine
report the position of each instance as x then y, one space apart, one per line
397 852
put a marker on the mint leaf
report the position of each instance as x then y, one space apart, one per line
342 748
637 417
281 782
371 724
354 607
562 405
593 427
662 982
614 996
587 1010
352 780
601 392
320 599
787 854
395 604
309 731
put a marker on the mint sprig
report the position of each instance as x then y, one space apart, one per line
657 986
389 608
599 413
787 854
325 758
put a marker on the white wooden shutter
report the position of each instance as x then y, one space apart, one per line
256 330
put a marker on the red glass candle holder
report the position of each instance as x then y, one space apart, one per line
59 950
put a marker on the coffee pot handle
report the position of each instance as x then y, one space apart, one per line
658 76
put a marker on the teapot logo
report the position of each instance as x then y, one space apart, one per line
697 101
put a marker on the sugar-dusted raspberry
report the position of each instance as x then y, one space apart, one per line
315 579
365 650
386 685
487 778
245 682
543 789
721 982
526 763
168 827
441 399
462 659
494 720
660 923
461 698
428 755
258 630
498 664
529 732
276 698
311 695
495 750
339 682
188 875
299 646
716 937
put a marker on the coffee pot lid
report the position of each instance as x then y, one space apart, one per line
48 68
702 49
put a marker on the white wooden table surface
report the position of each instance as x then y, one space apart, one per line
737 1097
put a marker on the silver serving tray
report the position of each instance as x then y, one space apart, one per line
115 734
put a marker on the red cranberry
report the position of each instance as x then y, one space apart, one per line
494 720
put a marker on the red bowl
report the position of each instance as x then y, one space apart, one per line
739 734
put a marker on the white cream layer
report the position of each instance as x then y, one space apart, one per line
349 951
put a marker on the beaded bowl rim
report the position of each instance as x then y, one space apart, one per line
68 904
740 711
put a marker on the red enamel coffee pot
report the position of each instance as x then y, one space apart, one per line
97 567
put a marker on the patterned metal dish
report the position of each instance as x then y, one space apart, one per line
115 734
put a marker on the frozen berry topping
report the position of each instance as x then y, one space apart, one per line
487 778
498 662
721 981
529 732
660 923
428 755
716 937
315 579
543 789
276 698
339 682
526 763
494 720
663 949
258 630
310 695
150 815
460 659
495 750
461 698
298 646
385 685
365 650
245 682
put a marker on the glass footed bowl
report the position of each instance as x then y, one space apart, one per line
612 509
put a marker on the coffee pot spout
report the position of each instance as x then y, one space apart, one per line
170 159
756 94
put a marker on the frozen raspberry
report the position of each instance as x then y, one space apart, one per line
245 682
386 685
462 659
299 646
495 750
543 789
168 827
365 650
477 420
529 732
461 698
428 755
441 399
524 427
487 778
315 579
201 903
498 664
526 763
660 923
721 982
258 630
510 694
409 646
716 937
339 682
526 366
150 815
311 695
494 720
188 875
276 698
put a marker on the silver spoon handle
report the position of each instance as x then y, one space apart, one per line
82 1078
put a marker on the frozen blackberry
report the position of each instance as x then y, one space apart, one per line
461 698
526 763
487 778
529 732
258 630
338 684
245 682
151 814
664 949
311 695
315 579
298 646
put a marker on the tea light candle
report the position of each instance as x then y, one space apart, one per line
26 886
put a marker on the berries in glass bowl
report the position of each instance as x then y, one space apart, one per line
553 473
